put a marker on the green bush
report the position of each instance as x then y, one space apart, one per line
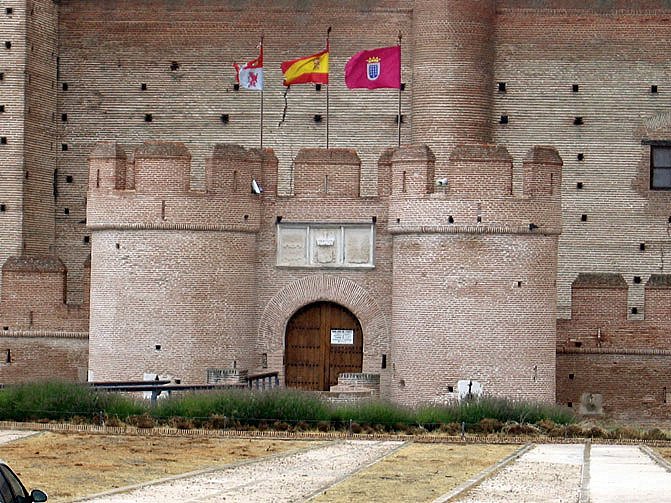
56 400
288 409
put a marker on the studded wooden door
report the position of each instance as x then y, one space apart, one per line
323 340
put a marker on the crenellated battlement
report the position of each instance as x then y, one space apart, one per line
600 317
474 193
34 292
154 190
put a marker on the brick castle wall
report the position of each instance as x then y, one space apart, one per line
491 314
41 171
13 68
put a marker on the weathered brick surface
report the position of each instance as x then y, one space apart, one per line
43 355
454 54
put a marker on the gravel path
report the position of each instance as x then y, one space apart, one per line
547 473
11 435
289 478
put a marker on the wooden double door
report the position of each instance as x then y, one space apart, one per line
323 340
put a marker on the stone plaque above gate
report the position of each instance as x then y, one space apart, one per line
325 245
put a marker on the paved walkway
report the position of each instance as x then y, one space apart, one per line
576 473
10 435
288 478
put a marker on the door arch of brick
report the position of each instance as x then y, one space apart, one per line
329 288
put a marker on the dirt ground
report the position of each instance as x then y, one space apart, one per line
417 472
68 465
665 452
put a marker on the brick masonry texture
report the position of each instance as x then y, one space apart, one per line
511 214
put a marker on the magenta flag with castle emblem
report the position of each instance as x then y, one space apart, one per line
374 69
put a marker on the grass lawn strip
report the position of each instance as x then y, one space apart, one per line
70 466
417 472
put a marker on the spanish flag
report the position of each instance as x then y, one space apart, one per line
307 70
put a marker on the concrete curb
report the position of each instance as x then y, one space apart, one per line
658 459
483 475
585 479
361 468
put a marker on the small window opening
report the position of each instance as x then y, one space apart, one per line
2 75
641 246
503 119
64 147
66 211
450 389
3 208
581 156
637 279
224 118
174 66
64 117
68 179
578 121
8 44
87 239
3 140
402 86
118 246
575 88
519 284
318 87
502 87
65 86
571 376
97 179
8 356
402 119
634 310
148 117
317 117
569 404
2 108
660 168
157 347
583 218
143 87
384 362
450 219
9 11
653 89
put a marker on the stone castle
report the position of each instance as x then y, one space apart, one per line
513 244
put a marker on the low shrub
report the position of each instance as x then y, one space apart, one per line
655 434
142 421
488 425
450 428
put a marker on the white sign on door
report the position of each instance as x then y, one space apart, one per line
340 336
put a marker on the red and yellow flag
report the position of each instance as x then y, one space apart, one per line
308 70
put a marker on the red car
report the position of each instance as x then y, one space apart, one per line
13 491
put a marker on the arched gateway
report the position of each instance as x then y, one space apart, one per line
323 340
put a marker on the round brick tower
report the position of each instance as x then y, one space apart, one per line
474 296
453 64
173 277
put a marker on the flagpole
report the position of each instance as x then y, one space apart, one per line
328 49
400 36
264 83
